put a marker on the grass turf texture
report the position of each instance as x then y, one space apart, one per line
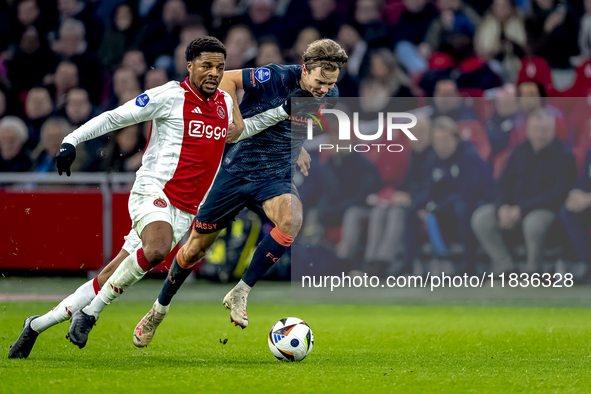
357 348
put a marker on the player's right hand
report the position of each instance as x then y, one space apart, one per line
296 101
65 158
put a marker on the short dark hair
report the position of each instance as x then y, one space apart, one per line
540 87
204 44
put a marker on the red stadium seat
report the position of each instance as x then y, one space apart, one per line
581 86
472 130
392 165
536 69
499 162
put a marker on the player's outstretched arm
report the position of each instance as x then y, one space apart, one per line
149 105
232 81
260 122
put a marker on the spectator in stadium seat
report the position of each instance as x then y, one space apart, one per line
324 17
162 37
124 152
499 126
447 101
224 14
409 32
28 14
14 156
53 132
501 39
552 31
65 78
180 64
368 17
72 45
531 189
262 20
532 97
38 107
268 52
135 60
460 181
386 219
78 109
350 40
454 17
29 55
84 12
385 79
192 28
240 46
584 37
124 79
576 216
348 178
155 78
119 37
304 38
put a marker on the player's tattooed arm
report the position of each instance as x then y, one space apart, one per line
231 82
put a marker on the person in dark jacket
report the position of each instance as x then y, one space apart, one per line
347 179
535 182
53 132
409 32
459 182
576 216
447 101
14 155
386 218
499 126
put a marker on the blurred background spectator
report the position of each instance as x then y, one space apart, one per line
13 136
489 65
53 132
533 186
38 107
460 181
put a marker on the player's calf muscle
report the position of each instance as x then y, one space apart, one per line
106 273
197 246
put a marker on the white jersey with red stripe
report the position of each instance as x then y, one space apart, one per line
186 143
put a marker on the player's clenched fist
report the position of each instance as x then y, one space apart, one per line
65 158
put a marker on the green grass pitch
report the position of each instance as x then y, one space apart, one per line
361 348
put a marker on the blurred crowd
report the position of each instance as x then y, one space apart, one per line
504 76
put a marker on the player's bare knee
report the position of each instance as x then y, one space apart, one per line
155 253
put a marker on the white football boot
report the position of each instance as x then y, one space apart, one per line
235 300
146 328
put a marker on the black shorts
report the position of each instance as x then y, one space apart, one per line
230 194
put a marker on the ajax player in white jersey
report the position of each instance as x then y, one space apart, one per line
191 121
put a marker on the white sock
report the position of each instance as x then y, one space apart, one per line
243 287
74 302
127 274
161 308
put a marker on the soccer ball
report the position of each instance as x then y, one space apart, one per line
291 339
